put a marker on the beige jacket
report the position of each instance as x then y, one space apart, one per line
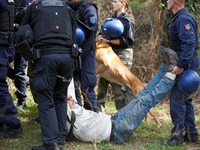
91 126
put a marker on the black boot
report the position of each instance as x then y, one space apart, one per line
13 132
174 140
2 129
62 142
170 57
191 138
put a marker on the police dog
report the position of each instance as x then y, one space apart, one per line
110 67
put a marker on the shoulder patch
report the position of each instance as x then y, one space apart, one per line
187 27
92 20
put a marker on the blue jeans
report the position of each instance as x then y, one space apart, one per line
131 116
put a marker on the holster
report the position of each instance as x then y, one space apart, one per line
36 53
24 49
78 63
76 53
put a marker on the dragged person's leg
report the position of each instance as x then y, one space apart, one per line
137 109
131 116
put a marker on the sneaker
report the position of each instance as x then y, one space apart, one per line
36 119
12 133
44 147
170 57
191 138
174 140
21 106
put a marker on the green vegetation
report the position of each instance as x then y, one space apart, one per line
147 137
145 65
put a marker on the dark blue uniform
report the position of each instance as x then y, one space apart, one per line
86 77
20 76
19 71
54 29
182 39
8 112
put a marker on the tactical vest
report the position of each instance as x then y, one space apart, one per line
18 13
174 41
7 17
18 6
52 23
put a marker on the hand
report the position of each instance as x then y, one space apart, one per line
100 36
70 101
103 40
177 70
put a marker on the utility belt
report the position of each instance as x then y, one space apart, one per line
6 38
55 50
75 52
36 52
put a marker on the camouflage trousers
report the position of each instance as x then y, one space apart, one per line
122 94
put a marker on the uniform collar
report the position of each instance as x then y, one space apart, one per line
182 10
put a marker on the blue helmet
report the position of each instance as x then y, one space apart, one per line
189 81
80 34
112 28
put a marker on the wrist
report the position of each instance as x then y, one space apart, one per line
109 42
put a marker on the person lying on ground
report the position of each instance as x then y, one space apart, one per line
96 127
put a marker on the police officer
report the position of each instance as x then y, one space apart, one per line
54 26
86 13
122 46
8 112
20 63
183 38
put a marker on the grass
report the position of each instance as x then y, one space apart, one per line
147 137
